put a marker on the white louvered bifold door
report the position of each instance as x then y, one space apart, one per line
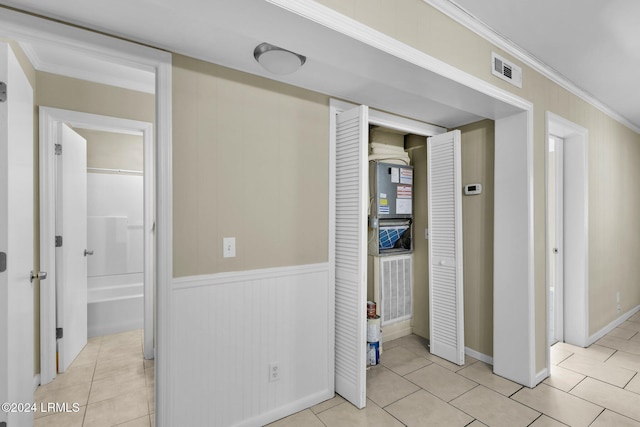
445 247
352 134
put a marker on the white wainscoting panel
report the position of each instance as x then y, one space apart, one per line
229 327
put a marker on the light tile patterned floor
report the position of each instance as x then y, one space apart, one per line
109 381
598 386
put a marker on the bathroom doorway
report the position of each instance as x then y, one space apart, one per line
52 122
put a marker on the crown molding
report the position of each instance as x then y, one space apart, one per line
466 19
85 68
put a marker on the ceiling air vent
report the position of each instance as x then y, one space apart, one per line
506 70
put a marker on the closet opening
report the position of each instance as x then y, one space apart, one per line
398 283
384 261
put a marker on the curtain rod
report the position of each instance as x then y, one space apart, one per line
123 171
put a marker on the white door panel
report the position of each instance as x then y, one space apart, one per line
446 307
352 130
16 239
71 262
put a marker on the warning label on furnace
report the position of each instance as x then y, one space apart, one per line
406 176
404 192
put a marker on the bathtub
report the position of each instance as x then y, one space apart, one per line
115 304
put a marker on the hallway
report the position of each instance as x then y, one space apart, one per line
598 386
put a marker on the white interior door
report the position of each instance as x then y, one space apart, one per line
16 240
446 308
352 134
555 204
71 261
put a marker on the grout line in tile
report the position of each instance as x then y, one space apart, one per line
394 417
630 379
537 418
459 396
618 413
610 356
533 409
383 407
521 387
585 400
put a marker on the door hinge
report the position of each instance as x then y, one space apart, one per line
58 333
3 91
3 262
58 241
58 149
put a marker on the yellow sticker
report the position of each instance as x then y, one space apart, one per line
383 202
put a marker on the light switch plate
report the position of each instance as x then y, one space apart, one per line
229 247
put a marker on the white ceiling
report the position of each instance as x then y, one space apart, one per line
226 32
593 43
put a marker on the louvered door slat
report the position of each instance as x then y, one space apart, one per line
445 247
350 254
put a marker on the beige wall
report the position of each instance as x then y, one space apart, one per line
88 97
614 242
612 150
477 231
110 150
250 161
418 154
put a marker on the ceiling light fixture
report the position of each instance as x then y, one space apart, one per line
277 60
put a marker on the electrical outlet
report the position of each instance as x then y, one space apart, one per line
274 372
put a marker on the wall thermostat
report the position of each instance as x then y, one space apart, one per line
471 189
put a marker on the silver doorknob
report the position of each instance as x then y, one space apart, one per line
40 275
88 252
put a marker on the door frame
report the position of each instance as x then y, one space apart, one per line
557 300
514 341
50 121
576 231
21 26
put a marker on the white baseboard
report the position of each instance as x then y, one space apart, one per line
288 409
611 326
541 376
477 355
396 330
